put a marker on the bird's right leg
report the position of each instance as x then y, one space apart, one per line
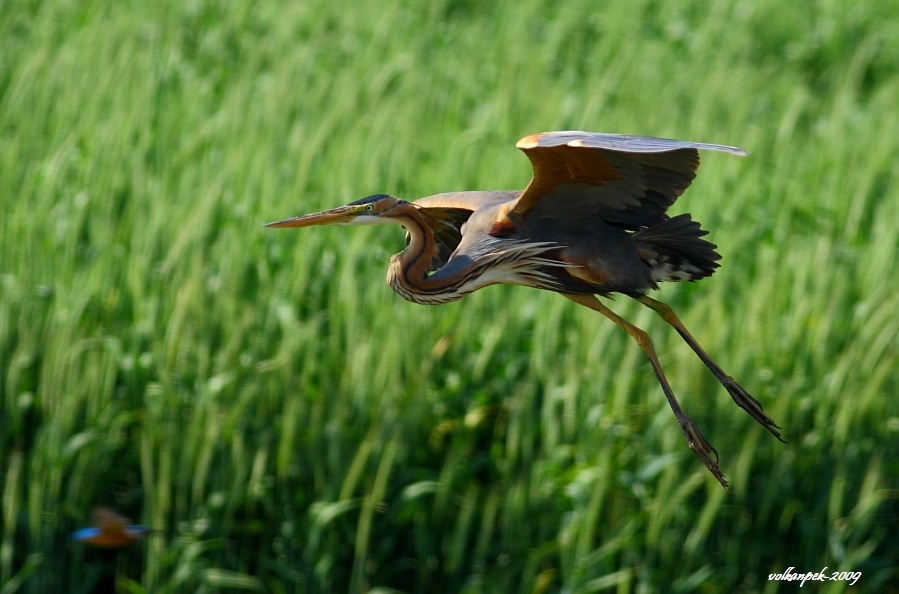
697 442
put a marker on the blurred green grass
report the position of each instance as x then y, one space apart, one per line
288 424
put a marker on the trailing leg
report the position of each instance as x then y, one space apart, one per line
743 398
697 442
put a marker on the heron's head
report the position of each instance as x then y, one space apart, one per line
371 210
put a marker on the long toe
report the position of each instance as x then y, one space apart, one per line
704 450
745 401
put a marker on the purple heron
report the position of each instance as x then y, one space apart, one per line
591 222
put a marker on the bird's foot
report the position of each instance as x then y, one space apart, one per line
703 449
745 401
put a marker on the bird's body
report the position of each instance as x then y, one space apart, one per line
595 257
591 222
110 530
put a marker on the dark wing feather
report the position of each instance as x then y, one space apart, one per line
627 180
446 224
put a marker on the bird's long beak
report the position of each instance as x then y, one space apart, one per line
335 216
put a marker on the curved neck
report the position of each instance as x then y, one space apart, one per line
408 270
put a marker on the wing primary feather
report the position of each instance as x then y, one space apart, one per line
627 180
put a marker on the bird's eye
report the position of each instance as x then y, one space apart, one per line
369 207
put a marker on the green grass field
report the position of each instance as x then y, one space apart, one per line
288 424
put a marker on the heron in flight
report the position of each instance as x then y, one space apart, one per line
592 222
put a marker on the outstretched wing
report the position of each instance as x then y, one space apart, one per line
628 180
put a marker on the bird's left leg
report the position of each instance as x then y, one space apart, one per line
697 442
743 398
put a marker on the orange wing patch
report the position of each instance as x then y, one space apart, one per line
562 163
505 223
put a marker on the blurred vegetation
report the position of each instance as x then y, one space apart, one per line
288 424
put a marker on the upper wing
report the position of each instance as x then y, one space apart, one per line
469 201
628 180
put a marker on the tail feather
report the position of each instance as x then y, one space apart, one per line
674 250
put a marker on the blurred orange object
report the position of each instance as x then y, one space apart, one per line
110 531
